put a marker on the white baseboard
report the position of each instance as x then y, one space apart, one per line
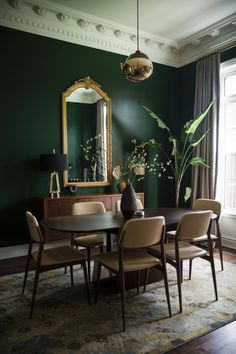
229 242
22 250
228 230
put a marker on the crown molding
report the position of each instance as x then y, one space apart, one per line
208 41
59 22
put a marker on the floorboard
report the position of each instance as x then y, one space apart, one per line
220 341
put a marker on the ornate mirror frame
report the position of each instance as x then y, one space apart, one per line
87 83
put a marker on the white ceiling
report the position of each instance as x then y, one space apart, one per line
173 20
172 32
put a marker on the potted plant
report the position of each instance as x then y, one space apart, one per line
182 148
135 166
94 156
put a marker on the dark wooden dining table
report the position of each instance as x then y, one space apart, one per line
108 222
112 223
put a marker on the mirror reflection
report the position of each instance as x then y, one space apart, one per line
86 123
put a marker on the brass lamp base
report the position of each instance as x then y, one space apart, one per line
54 192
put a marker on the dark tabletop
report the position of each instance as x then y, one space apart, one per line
109 221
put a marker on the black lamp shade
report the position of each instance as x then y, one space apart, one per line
53 162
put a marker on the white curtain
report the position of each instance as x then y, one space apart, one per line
207 89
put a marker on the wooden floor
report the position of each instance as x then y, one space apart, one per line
220 341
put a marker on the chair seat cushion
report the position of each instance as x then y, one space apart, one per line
89 241
172 234
59 255
186 250
133 260
203 238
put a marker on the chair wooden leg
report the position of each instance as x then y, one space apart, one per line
214 278
71 275
221 255
27 267
164 271
98 282
138 281
219 241
36 279
181 271
89 260
146 274
86 281
26 274
190 269
178 270
65 272
213 268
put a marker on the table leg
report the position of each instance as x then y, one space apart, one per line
110 248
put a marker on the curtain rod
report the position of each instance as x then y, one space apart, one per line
229 46
219 51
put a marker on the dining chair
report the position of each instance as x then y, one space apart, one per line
138 202
202 241
92 240
48 259
190 226
215 206
136 235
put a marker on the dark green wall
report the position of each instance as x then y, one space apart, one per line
34 72
228 54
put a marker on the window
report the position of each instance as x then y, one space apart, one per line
226 182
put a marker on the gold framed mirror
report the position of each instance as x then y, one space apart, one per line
86 134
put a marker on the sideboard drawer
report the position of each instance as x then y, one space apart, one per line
50 207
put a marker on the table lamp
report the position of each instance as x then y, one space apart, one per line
53 163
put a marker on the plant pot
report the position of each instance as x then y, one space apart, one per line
139 169
128 205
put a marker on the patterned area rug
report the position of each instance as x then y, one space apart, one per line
63 323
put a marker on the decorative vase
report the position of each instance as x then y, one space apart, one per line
128 204
121 186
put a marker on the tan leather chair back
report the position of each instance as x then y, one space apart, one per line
88 208
208 204
138 202
194 225
143 232
34 227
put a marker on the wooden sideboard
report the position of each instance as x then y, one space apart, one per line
49 207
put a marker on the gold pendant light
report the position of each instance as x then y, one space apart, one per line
137 67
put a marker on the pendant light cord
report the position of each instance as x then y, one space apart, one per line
137 25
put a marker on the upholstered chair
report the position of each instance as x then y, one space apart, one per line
52 258
202 241
92 240
215 206
132 256
138 201
191 226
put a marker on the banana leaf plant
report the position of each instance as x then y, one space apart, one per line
182 149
